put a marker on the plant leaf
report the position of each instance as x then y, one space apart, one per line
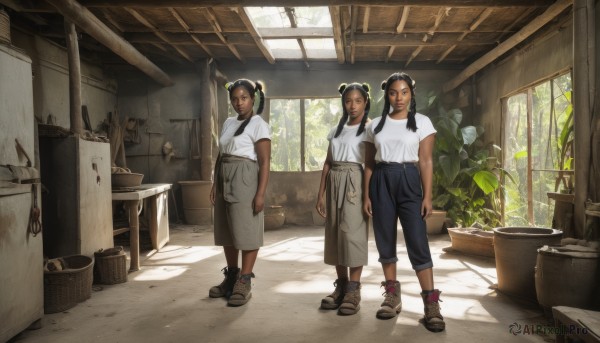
486 181
469 134
520 154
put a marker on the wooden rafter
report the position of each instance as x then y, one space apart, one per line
387 39
413 55
334 12
292 18
212 19
295 32
112 20
88 22
526 31
139 17
399 28
366 19
515 22
403 19
258 39
480 18
294 3
442 13
187 28
353 25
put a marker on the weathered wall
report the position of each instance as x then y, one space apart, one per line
51 82
297 191
537 61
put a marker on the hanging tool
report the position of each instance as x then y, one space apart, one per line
35 225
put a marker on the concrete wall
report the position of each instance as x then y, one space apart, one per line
51 82
297 191
537 61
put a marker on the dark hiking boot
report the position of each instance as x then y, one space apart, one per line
226 287
242 290
392 304
433 320
351 302
334 300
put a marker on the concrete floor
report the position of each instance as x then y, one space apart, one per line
167 300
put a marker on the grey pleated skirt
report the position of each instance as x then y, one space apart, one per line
346 226
235 223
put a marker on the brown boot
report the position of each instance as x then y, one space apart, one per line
392 304
334 300
225 288
434 321
351 302
242 290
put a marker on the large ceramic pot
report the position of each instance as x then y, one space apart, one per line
435 222
197 207
274 217
516 253
567 276
472 241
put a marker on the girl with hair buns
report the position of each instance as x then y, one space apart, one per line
398 183
238 193
346 226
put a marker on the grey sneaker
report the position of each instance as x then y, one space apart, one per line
226 287
434 321
334 300
242 290
351 303
392 304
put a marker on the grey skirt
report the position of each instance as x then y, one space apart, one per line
346 226
235 223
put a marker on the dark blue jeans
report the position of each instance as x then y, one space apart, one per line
395 192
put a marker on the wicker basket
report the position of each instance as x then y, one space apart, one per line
110 266
64 289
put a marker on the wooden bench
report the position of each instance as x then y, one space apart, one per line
575 324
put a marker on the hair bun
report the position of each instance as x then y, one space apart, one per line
383 84
228 85
342 88
366 87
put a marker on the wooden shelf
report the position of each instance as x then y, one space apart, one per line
570 198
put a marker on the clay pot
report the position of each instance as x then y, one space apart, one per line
435 222
567 276
472 241
516 253
274 217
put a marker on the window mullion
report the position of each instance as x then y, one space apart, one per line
302 136
530 216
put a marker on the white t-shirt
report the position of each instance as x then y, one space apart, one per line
395 142
243 145
347 147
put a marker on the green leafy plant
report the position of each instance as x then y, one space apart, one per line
467 174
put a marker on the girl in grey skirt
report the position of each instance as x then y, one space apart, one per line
346 226
238 193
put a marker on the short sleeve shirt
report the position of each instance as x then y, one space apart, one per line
243 144
395 142
347 147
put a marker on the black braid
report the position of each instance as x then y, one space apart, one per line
364 90
386 107
252 88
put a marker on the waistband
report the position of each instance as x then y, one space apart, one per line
335 165
233 158
396 165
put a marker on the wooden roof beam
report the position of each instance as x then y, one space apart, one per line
442 13
292 18
336 22
294 3
413 55
88 22
295 32
526 31
353 25
403 19
390 53
515 22
256 35
480 18
187 28
212 19
390 39
159 34
366 19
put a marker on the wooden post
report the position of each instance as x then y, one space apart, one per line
581 108
74 78
206 109
89 23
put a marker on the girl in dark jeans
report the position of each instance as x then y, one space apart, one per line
398 183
